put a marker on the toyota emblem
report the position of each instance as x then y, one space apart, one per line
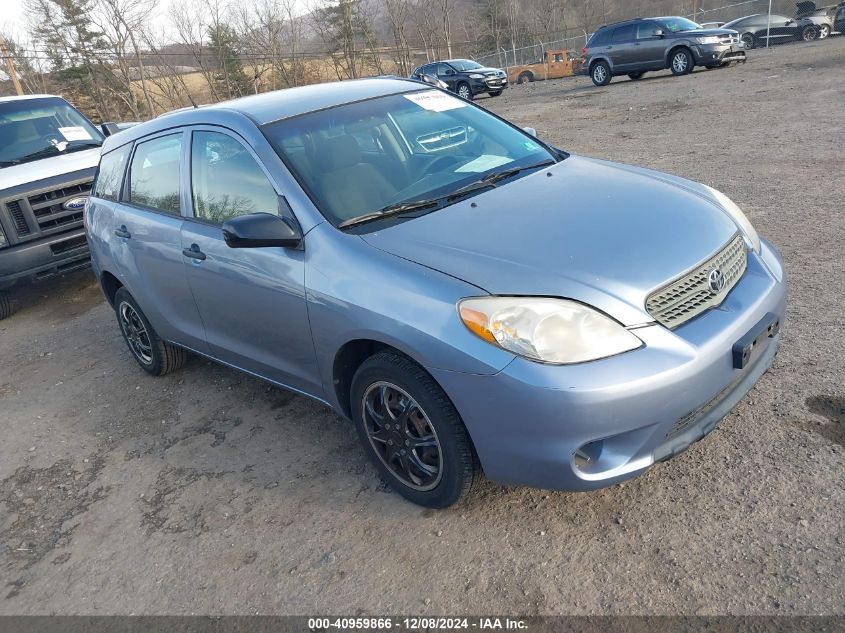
716 281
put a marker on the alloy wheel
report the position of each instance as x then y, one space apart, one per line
679 62
135 333
402 436
748 40
599 74
824 31
463 91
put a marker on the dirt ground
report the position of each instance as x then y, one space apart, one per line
210 492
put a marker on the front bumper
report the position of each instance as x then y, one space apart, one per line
489 84
629 411
43 258
709 54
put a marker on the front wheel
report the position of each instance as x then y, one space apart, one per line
808 33
682 62
411 431
155 356
5 305
600 74
824 31
748 41
464 91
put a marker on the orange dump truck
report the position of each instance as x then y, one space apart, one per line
554 65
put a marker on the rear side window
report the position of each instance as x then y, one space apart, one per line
154 174
226 180
110 173
624 33
600 38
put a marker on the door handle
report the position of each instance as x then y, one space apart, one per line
122 232
194 252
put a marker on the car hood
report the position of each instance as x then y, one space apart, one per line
597 232
48 167
487 71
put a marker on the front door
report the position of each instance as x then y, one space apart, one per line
649 49
251 300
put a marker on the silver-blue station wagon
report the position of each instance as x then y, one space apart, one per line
470 297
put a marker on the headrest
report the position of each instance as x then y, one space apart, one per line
338 152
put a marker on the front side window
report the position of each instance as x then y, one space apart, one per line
154 174
31 129
647 30
110 173
226 180
679 25
430 144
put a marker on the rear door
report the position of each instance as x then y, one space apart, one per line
147 243
621 50
251 300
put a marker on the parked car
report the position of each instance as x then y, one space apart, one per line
637 46
48 154
468 295
756 30
839 19
824 18
554 64
465 77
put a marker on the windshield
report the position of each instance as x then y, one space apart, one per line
40 128
463 65
362 158
677 25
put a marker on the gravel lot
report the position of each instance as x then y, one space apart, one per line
209 492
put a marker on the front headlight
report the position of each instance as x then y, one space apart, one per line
476 76
709 39
3 241
738 216
548 330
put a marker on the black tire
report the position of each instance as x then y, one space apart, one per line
636 76
808 33
681 62
824 31
463 90
5 305
600 73
404 381
748 40
495 93
525 77
155 356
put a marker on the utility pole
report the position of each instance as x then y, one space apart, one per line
10 66
769 25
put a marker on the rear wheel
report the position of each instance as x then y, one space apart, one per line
748 40
637 75
5 305
600 74
824 31
411 431
464 91
525 77
681 63
155 356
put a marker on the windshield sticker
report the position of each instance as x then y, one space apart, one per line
435 100
530 146
75 133
484 162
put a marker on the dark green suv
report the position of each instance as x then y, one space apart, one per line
637 46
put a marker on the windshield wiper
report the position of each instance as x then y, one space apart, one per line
393 209
53 150
400 208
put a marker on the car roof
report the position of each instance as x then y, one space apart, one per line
273 106
27 97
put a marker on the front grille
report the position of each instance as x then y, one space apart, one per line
690 295
68 245
18 218
729 39
48 210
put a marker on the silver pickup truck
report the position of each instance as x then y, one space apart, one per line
48 155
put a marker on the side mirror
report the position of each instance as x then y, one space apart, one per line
531 131
110 128
788 22
259 230
659 33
